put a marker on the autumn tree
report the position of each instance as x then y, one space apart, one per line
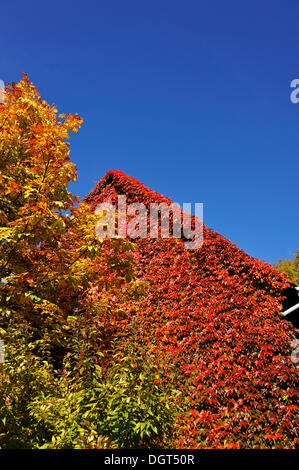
290 267
59 287
49 252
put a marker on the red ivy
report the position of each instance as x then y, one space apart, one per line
213 315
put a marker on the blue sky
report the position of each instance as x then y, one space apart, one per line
190 97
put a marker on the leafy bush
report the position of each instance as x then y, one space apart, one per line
80 406
23 377
290 267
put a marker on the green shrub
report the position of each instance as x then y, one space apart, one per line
80 406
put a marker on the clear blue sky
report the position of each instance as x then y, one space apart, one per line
191 97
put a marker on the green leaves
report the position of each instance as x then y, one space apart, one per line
79 407
290 267
32 296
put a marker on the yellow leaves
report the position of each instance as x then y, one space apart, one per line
8 184
59 204
49 250
40 206
71 322
5 232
